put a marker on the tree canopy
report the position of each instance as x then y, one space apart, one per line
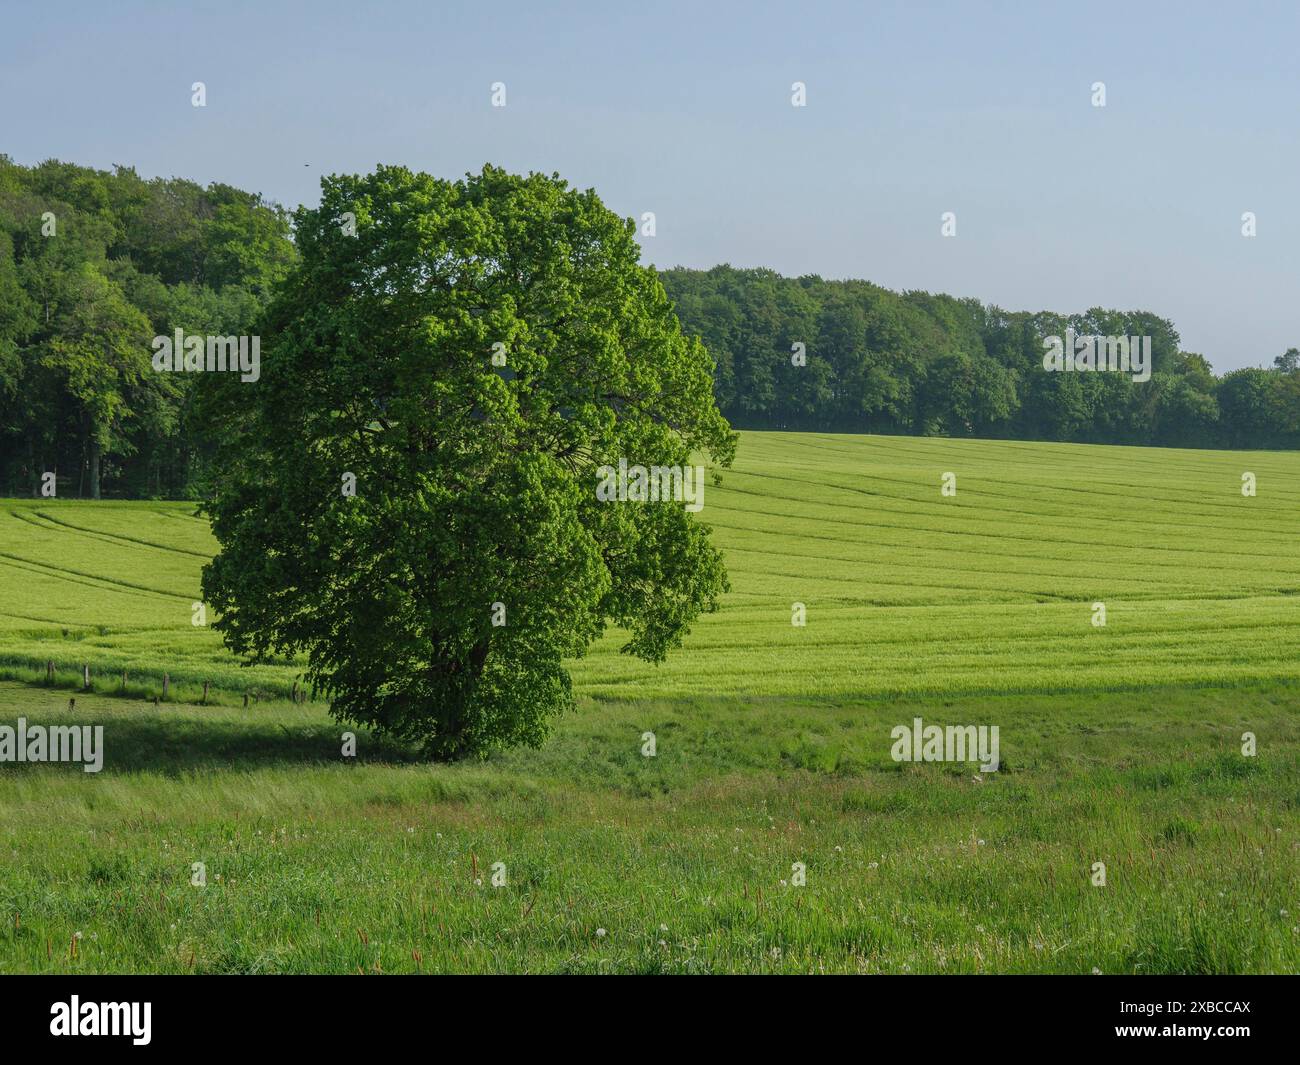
421 522
930 364
93 265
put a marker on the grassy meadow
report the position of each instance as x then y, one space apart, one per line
1120 744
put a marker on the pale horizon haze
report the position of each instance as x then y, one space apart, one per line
913 109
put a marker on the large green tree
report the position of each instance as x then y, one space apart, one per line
99 357
439 601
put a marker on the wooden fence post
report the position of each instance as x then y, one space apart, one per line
166 684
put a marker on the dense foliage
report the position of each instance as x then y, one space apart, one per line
881 362
93 266
421 521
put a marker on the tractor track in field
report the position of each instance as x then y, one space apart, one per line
1178 521
889 568
942 531
59 525
90 579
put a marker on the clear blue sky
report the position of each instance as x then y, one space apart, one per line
683 109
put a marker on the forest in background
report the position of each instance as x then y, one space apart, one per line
934 365
95 264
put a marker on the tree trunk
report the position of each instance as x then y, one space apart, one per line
451 741
94 468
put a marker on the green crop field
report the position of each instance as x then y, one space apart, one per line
1120 744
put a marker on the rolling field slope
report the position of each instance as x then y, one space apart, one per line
989 590
1120 745
906 591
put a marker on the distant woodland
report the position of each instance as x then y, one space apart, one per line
95 264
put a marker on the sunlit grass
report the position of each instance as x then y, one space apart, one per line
316 863
1120 745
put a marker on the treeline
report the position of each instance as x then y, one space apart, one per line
93 266
882 362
